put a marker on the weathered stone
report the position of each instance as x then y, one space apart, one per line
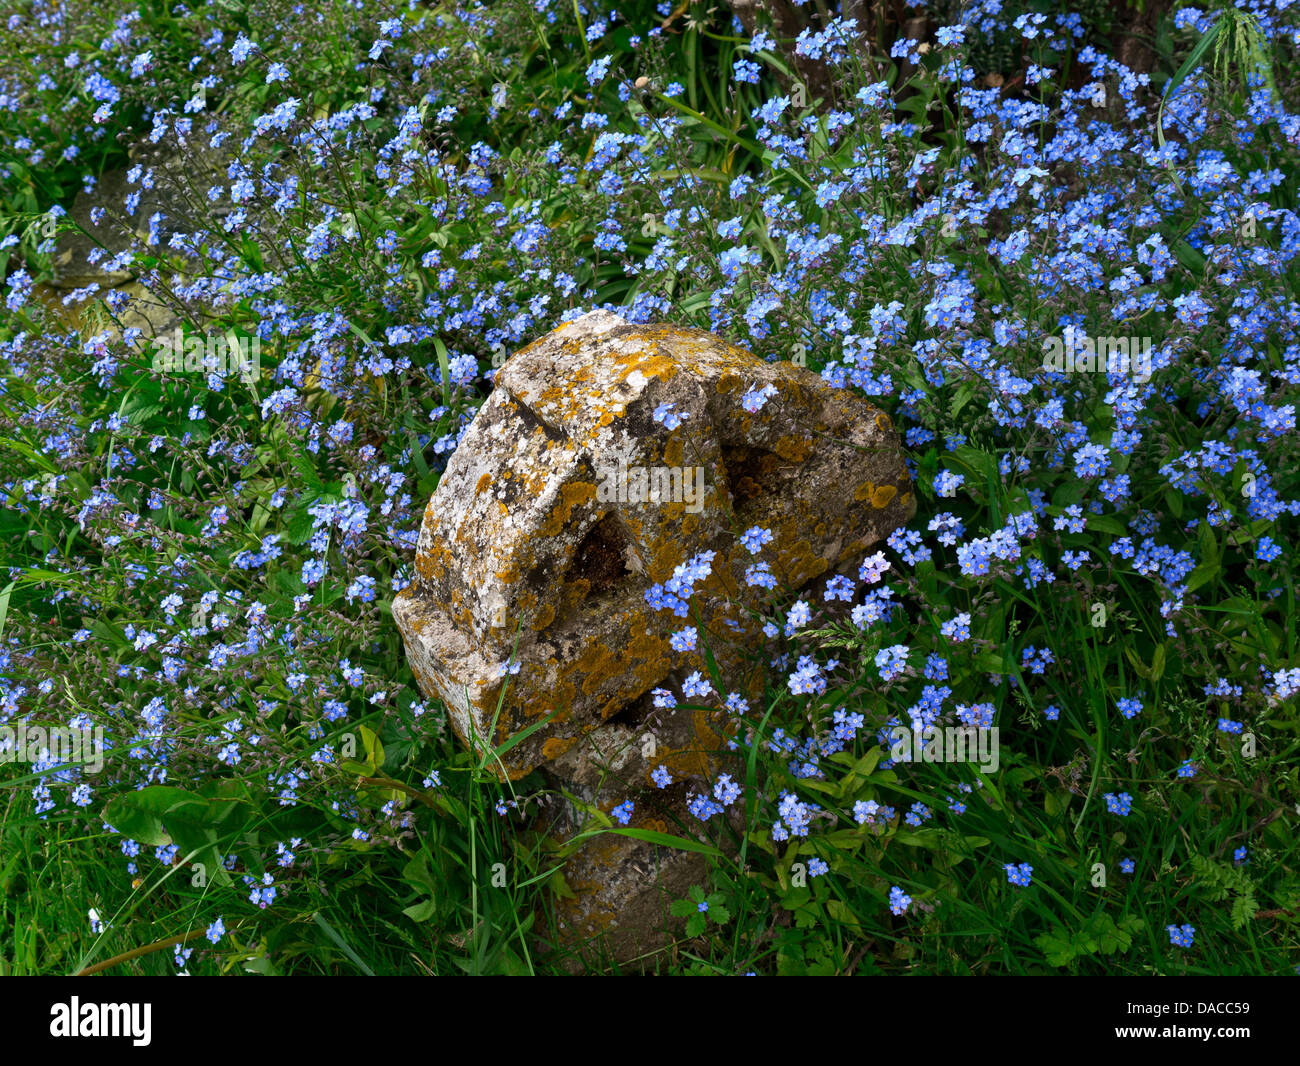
176 174
80 254
527 542
171 180
539 548
619 908
622 887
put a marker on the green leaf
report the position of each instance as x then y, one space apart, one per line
1106 524
444 368
926 838
422 911
160 814
374 749
417 872
1174 501
682 908
4 604
1057 947
1104 936
139 815
1137 664
342 945
1204 573
650 836
1243 910
1209 543
1189 64
298 522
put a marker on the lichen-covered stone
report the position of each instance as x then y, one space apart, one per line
621 887
541 540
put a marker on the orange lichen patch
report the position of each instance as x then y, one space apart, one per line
483 483
652 651
652 366
571 495
635 527
881 497
557 746
575 593
544 703
729 382
536 483
864 491
798 563
544 617
709 739
422 677
882 420
665 560
597 665
793 449
854 548
687 762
